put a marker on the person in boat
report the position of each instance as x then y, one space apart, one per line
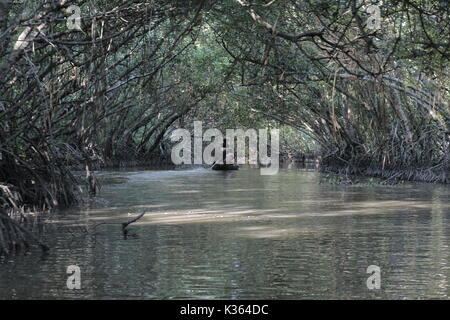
224 151
224 165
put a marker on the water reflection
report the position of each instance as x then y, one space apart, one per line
208 234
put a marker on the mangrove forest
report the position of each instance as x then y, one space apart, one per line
114 147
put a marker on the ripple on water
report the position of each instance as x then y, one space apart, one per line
244 236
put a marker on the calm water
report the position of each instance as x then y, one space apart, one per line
240 235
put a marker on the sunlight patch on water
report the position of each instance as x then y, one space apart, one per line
244 236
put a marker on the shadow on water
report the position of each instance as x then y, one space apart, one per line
241 235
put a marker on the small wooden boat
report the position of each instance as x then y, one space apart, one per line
225 167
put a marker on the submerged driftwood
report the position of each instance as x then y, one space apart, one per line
124 224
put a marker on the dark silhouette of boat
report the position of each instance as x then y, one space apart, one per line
224 166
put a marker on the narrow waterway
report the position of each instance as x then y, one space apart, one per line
240 235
